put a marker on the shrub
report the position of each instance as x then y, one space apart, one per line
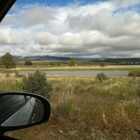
135 73
102 64
17 74
7 75
37 83
101 76
73 62
28 63
138 90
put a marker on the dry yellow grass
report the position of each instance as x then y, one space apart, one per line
84 108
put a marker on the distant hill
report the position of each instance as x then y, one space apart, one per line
59 58
117 60
38 58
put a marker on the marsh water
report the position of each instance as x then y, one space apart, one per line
83 73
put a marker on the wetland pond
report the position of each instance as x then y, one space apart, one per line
82 73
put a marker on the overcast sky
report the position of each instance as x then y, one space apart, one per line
96 29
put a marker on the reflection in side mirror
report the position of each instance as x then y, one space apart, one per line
19 110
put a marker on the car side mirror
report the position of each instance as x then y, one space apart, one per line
21 110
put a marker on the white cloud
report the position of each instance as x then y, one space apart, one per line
70 39
13 37
45 38
124 3
93 30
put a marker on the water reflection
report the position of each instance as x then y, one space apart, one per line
80 72
83 73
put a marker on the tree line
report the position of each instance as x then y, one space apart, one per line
7 61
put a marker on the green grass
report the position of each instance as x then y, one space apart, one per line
84 108
67 68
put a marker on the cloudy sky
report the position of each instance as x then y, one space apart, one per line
85 28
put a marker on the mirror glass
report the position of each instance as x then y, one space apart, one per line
20 110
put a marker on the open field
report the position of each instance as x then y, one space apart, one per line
84 108
85 62
51 65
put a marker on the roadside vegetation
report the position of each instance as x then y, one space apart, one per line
101 77
37 83
134 73
84 108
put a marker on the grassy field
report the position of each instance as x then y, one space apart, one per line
84 108
67 68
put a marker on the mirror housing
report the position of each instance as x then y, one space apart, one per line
13 115
5 6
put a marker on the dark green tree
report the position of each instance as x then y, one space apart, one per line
28 63
73 62
102 64
37 83
8 61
